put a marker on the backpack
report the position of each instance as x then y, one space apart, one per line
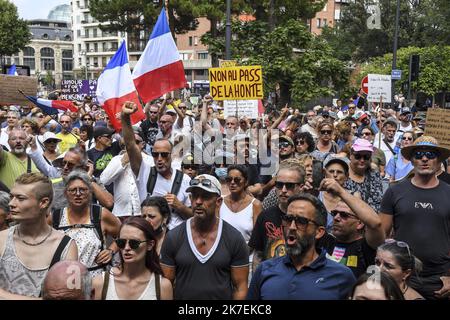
95 213
151 182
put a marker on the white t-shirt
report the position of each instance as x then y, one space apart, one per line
163 187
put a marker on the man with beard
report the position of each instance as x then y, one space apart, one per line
356 231
205 256
16 162
161 179
68 140
304 273
287 148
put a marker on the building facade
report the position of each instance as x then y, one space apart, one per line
328 16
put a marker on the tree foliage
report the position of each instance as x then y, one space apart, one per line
14 32
434 68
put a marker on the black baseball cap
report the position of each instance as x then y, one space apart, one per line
101 131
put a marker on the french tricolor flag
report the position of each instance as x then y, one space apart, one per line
51 107
115 87
159 69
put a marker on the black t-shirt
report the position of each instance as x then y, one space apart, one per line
421 218
356 255
210 280
444 176
102 158
150 131
253 174
267 235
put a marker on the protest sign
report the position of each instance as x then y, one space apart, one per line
9 86
227 63
236 83
247 108
379 86
438 125
78 89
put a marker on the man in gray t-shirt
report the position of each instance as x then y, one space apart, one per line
206 256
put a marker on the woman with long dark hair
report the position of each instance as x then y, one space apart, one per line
139 274
376 286
156 210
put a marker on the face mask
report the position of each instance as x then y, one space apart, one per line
221 173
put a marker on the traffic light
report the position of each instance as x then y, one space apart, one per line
414 66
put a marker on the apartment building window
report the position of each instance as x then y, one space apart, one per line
324 22
95 32
104 46
47 59
67 60
86 32
96 62
28 57
79 33
200 73
96 47
104 63
79 47
195 41
190 41
78 4
88 46
203 55
114 46
318 22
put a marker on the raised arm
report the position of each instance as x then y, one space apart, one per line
282 116
133 150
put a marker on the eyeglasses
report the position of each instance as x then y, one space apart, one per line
300 222
326 132
367 133
300 142
162 154
75 191
133 243
289 185
284 144
203 182
428 154
400 244
344 215
359 156
236 180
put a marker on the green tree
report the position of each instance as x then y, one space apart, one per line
434 68
14 32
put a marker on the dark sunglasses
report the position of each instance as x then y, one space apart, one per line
428 154
87 119
301 142
162 154
367 133
362 156
51 141
236 180
407 138
134 244
328 132
284 144
289 185
300 222
151 112
190 167
344 215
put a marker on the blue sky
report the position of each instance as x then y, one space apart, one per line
36 9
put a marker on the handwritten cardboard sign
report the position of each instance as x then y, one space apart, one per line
379 86
236 83
438 125
240 108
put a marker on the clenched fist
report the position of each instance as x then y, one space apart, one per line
129 108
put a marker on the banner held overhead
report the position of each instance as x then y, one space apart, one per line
236 83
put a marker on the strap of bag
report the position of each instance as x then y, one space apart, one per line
57 256
96 213
28 164
389 146
177 182
158 286
56 218
105 285
151 180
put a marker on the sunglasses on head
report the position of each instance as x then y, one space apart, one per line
236 180
300 222
289 185
203 182
400 244
344 215
359 156
428 154
162 154
134 244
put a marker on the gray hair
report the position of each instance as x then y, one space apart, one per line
4 201
79 175
16 113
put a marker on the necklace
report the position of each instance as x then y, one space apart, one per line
37 243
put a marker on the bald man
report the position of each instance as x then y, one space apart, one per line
68 280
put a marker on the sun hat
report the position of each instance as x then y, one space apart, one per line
425 142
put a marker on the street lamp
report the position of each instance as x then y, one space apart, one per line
228 32
394 55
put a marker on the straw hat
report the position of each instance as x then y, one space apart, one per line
426 142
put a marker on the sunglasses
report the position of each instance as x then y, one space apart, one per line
236 180
134 244
203 182
367 133
400 244
51 141
407 138
362 156
87 119
289 185
300 222
284 144
301 142
151 112
344 215
326 132
162 154
428 154
190 167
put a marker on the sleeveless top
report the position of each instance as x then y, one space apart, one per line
148 294
88 243
17 278
242 220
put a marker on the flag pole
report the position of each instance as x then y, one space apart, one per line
57 121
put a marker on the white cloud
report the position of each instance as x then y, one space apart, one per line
36 9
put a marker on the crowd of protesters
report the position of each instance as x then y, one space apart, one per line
349 201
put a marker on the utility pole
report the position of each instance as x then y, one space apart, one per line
394 55
228 32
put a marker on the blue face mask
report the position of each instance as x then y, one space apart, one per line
221 172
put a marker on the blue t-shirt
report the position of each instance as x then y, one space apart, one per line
397 168
277 279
